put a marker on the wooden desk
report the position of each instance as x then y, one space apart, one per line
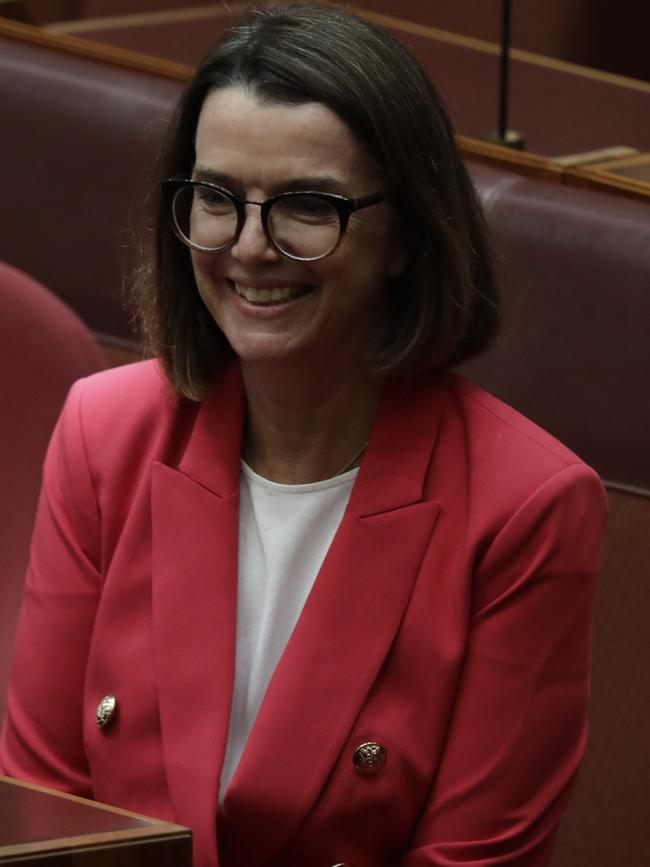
38 825
629 175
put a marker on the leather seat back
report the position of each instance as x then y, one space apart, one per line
44 347
78 134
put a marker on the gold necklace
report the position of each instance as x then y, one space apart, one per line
347 466
355 457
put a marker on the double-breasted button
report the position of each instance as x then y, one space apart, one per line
369 758
106 710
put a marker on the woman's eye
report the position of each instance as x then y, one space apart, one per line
212 200
308 208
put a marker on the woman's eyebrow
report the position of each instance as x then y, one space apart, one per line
204 174
317 183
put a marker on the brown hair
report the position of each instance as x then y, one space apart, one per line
445 308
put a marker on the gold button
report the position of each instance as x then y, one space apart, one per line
369 758
106 710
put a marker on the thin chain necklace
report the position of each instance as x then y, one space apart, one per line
355 457
347 466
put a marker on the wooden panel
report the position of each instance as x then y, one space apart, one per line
521 162
95 50
634 183
637 167
38 823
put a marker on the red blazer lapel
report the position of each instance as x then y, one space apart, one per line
343 635
195 510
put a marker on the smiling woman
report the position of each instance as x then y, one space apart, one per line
328 309
339 598
356 97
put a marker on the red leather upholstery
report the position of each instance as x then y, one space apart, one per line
607 823
576 355
576 359
77 136
44 347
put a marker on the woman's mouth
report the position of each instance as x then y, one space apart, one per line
268 296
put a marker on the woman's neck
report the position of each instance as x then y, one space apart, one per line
304 425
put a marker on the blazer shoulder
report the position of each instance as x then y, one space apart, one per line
146 379
124 400
521 479
123 417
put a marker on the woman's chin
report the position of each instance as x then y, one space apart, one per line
265 349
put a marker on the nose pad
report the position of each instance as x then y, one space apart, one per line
252 242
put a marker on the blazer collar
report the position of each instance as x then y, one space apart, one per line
394 467
342 637
212 454
195 524
401 444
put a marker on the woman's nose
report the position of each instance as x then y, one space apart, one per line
252 243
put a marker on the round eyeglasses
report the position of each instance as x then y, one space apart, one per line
300 225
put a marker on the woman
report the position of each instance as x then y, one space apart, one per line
299 587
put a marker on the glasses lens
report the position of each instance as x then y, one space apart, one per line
205 218
304 226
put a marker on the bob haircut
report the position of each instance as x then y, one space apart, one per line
445 307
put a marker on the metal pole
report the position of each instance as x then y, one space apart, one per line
505 69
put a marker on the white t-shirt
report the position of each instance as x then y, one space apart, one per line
285 532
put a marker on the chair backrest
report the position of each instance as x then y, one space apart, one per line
608 819
576 355
78 135
44 347
576 359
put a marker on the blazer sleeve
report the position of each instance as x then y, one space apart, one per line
42 740
518 728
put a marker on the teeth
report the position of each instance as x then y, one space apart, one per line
266 296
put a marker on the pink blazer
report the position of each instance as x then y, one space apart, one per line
450 624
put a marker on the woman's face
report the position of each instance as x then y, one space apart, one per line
326 308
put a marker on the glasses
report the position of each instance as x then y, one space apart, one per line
305 226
